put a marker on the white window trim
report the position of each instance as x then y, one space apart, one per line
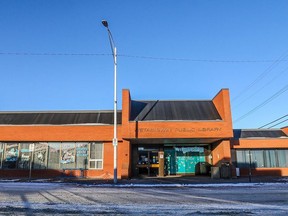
96 160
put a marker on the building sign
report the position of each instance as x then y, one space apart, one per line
180 130
189 149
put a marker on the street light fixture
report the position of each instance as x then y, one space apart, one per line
115 140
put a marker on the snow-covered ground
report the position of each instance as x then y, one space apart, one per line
19 198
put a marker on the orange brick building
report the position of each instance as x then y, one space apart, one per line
155 138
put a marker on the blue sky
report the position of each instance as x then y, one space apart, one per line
196 47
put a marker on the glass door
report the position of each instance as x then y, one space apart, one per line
148 163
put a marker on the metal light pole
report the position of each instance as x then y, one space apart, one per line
115 140
250 166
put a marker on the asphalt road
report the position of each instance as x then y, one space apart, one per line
72 199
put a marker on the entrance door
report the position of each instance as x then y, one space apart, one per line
148 163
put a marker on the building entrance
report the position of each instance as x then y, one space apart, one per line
178 160
148 163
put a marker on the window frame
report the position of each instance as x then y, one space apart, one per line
266 155
96 160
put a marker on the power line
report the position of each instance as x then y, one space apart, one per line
197 60
136 56
51 54
281 91
263 74
264 86
278 123
273 121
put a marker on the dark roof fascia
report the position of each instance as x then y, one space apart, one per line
160 113
83 117
59 111
216 120
238 134
181 100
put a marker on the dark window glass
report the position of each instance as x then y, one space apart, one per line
282 157
54 155
40 156
68 159
24 156
242 158
81 155
270 158
1 153
257 158
11 155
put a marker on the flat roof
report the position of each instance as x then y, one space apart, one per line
258 133
59 117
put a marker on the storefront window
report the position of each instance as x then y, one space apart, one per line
184 160
68 155
282 157
187 158
81 155
257 158
242 158
11 155
1 153
40 156
96 156
262 158
24 156
54 155
51 155
270 158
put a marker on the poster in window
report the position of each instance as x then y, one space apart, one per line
40 155
81 155
11 156
24 159
68 154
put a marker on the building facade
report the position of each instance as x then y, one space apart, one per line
155 138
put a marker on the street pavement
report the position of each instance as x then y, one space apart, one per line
169 180
179 196
180 180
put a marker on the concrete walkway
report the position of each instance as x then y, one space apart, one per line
172 180
182 180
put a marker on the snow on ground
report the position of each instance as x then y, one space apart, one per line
215 185
34 198
186 185
143 209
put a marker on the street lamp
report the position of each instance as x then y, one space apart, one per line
114 141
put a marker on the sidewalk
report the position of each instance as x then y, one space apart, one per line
188 180
169 180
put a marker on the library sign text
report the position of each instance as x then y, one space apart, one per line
179 130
